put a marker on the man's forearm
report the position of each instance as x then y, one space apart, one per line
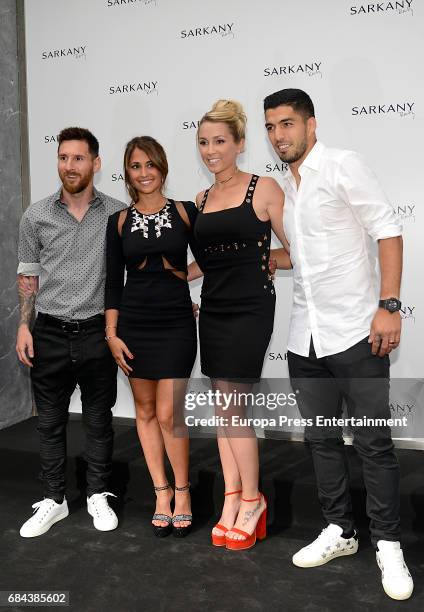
390 252
27 291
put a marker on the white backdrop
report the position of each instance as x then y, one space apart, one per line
130 67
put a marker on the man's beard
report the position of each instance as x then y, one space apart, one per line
295 155
78 186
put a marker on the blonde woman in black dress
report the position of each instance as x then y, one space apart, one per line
151 329
233 234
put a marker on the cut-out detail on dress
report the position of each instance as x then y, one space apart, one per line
143 264
121 220
168 266
183 213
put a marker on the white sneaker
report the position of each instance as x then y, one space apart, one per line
46 513
395 577
104 518
328 545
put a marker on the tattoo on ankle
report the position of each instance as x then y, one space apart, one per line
250 513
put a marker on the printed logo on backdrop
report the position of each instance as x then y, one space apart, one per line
140 88
408 312
276 167
65 53
49 139
225 30
405 212
403 409
191 125
400 109
117 177
403 7
311 69
138 2
277 356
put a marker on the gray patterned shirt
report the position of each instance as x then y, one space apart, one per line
67 255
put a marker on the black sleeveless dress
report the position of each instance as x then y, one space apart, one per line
156 318
238 298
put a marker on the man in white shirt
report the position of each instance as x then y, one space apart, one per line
344 324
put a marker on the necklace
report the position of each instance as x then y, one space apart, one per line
228 179
162 218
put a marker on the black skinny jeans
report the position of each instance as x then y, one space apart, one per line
62 360
362 379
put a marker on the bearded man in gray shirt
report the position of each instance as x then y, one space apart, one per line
61 273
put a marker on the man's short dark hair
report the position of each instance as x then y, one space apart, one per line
77 133
296 98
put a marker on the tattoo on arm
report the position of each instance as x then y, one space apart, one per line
27 290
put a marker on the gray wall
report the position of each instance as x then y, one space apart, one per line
15 390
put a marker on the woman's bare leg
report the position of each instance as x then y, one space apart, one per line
243 446
151 439
170 398
232 483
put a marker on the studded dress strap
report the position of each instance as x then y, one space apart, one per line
203 202
251 189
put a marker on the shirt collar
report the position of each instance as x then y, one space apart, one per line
96 201
312 160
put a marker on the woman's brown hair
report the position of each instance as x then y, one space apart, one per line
155 153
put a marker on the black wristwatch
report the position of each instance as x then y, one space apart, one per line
391 304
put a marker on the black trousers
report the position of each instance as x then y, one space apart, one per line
63 359
362 379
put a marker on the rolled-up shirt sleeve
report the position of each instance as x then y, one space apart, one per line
29 247
358 186
29 269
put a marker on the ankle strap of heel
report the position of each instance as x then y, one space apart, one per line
232 492
254 499
162 488
181 489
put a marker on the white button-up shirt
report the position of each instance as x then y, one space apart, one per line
332 223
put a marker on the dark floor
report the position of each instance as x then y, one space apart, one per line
130 570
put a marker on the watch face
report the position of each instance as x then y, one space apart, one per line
392 305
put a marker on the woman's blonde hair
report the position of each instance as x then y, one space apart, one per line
230 112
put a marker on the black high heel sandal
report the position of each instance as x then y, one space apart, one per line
161 531
181 532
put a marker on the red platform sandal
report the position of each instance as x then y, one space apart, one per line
249 538
219 540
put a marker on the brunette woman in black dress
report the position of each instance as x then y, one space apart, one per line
151 328
233 234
